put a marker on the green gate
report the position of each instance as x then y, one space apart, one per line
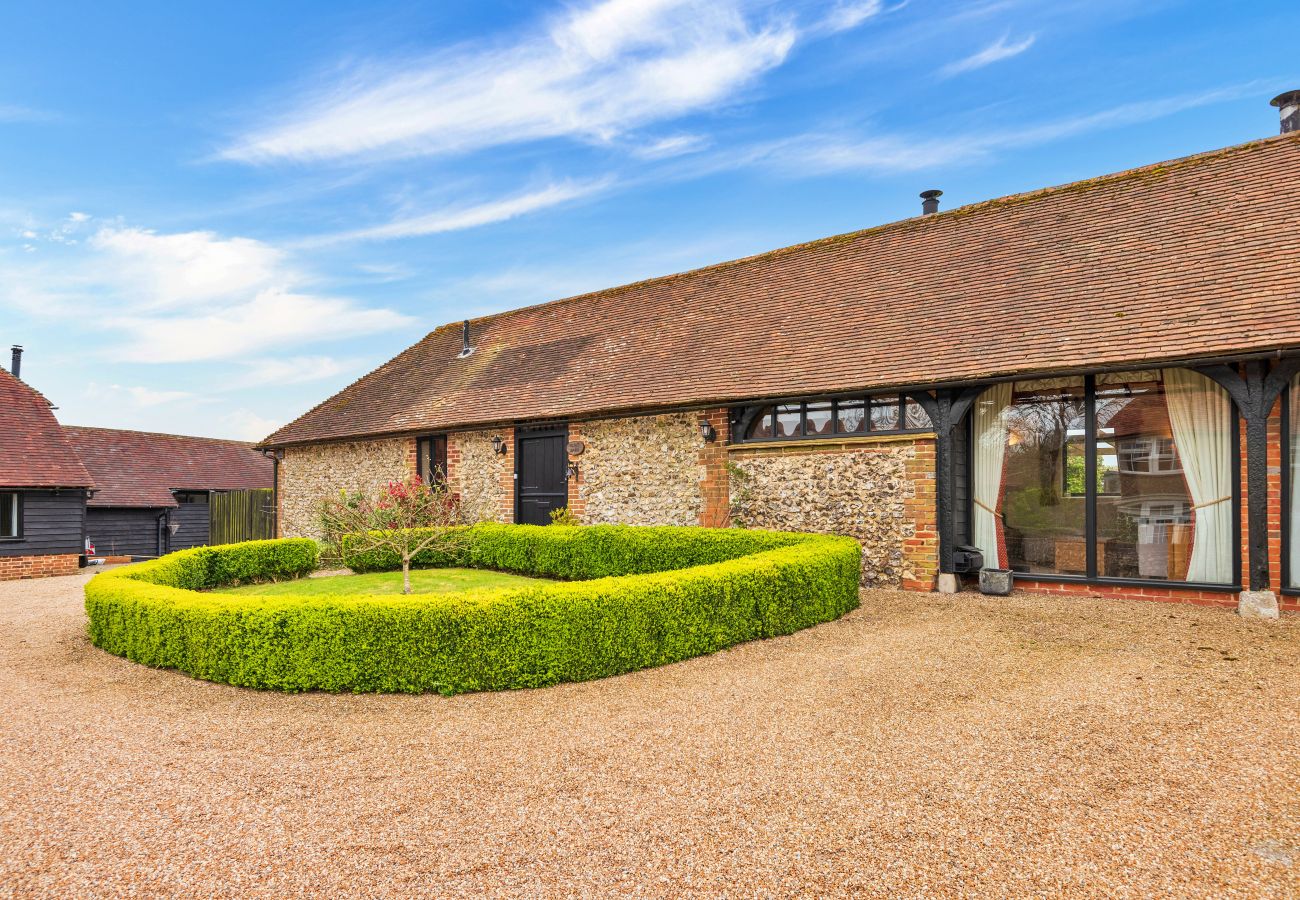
235 516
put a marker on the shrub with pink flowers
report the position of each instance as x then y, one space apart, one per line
407 518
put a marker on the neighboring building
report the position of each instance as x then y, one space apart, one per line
43 486
153 490
1088 383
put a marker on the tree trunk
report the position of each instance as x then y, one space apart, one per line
406 574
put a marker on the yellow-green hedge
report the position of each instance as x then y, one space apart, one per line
735 586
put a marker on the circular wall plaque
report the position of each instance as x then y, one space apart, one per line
575 448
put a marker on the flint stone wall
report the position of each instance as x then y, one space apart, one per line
639 471
868 493
482 477
310 474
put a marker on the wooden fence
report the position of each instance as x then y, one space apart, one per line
235 516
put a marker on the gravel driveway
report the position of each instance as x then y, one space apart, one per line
921 746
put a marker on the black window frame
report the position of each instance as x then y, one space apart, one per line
743 418
1090 509
19 503
428 449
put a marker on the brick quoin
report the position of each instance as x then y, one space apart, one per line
506 479
14 568
413 457
576 504
921 550
715 488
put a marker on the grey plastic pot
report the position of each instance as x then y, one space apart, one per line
996 581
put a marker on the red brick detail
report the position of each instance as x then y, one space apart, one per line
576 503
1162 593
453 461
507 476
412 457
921 550
715 488
13 568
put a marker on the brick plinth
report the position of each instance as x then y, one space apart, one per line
13 568
1161 593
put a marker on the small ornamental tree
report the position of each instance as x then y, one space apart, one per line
406 517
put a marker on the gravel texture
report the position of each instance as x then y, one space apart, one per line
922 746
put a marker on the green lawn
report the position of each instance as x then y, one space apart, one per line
423 581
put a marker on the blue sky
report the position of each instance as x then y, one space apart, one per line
212 216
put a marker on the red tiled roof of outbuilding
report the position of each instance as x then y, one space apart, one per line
33 449
1191 258
141 469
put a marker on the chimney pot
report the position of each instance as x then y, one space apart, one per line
465 348
930 202
16 361
1288 106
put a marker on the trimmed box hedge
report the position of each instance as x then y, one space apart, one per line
637 597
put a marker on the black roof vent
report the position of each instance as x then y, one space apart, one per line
930 202
16 361
1288 105
465 348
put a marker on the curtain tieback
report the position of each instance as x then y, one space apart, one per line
1208 502
993 512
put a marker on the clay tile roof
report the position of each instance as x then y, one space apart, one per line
33 449
138 468
1180 260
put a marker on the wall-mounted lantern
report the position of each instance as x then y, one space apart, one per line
707 431
498 445
571 471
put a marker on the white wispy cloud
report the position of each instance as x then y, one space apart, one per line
829 153
595 72
673 145
997 51
273 318
459 218
136 395
847 15
184 297
291 370
245 425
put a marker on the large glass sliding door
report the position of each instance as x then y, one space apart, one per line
1029 495
1127 476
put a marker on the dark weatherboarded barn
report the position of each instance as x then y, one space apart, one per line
43 487
153 490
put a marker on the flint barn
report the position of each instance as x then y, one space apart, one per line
1091 385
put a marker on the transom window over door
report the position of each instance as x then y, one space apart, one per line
1127 476
813 419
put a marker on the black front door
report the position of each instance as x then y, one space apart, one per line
541 484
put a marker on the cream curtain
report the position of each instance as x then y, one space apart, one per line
1294 399
1200 415
990 452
